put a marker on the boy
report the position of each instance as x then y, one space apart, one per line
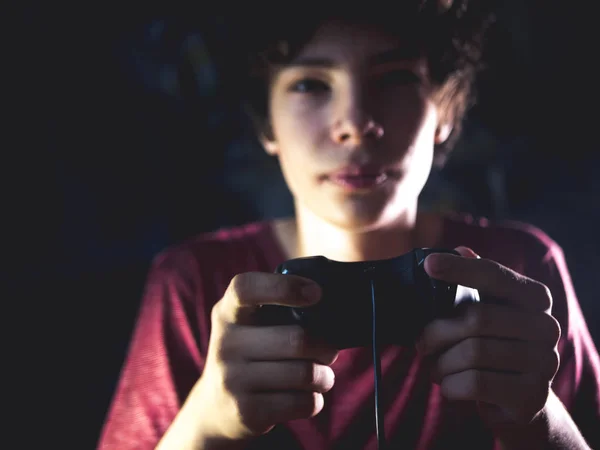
357 105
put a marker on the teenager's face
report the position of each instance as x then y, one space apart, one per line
354 127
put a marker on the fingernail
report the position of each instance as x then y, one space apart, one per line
311 292
468 252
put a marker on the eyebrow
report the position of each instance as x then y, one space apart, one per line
408 53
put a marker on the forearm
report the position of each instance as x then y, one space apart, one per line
182 435
552 429
190 430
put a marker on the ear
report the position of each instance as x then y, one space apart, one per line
442 133
270 145
268 141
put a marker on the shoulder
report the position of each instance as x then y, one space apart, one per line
195 273
529 251
519 245
250 246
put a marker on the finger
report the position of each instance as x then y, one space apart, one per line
494 321
265 376
273 344
520 396
248 291
497 355
260 411
490 278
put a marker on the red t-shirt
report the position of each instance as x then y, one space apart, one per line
171 337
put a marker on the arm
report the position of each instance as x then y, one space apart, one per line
162 364
233 391
521 348
186 433
554 427
573 410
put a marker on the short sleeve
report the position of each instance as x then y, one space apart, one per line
162 364
577 382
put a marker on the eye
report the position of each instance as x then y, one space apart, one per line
309 85
398 77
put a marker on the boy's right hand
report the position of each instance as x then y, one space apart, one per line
258 376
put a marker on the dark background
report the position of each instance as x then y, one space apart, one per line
129 137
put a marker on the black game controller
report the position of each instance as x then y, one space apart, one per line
405 299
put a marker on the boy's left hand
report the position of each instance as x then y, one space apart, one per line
503 355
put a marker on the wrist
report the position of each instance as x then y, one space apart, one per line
190 431
552 428
196 428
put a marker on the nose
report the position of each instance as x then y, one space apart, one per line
354 126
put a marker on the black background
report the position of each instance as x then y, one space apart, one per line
125 136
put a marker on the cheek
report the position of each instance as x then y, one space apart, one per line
420 154
298 129
411 122
296 133
405 112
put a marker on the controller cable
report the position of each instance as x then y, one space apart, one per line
379 419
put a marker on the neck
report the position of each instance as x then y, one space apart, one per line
309 235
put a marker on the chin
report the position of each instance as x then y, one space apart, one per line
361 217
356 226
356 220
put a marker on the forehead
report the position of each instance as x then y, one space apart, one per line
340 43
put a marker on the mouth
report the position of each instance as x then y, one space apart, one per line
361 177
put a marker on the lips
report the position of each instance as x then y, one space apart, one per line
360 177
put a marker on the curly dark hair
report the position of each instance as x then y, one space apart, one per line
449 34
